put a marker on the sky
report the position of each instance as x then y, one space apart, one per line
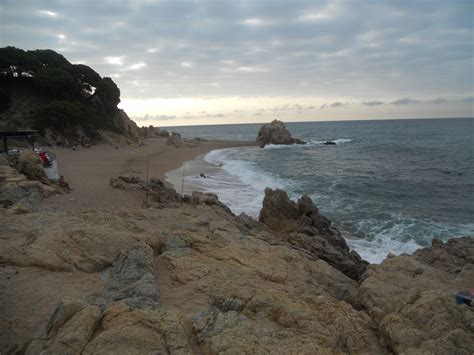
221 62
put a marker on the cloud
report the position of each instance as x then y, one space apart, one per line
468 99
114 60
372 103
137 66
404 101
338 104
48 13
438 100
259 48
323 106
253 21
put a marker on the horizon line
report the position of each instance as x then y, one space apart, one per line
345 120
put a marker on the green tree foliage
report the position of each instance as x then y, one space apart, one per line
57 83
87 76
108 92
63 115
56 79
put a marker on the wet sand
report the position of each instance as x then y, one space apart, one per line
89 170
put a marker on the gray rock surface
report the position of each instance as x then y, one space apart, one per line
132 280
30 165
275 133
301 224
412 299
174 139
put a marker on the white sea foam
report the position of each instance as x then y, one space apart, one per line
397 235
310 143
240 184
376 250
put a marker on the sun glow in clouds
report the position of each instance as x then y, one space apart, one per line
253 22
114 60
48 13
137 66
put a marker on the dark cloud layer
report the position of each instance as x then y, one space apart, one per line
212 48
404 101
372 103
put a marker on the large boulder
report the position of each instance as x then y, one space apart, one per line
174 139
31 166
302 224
412 299
276 133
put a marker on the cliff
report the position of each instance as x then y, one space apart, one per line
68 103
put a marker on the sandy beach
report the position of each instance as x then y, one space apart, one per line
89 170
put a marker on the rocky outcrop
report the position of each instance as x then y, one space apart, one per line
411 298
301 224
31 166
131 280
197 280
17 191
159 194
174 139
210 199
275 133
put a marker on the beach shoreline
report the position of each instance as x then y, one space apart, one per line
89 170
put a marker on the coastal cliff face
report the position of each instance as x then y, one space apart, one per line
275 133
70 104
197 279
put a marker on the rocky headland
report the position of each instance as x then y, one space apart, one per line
193 278
69 104
275 133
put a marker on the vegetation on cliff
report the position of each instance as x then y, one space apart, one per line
41 89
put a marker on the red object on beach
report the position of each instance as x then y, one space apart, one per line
44 158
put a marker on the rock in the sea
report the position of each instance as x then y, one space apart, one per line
164 133
276 133
302 224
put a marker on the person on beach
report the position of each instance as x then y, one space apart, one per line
64 184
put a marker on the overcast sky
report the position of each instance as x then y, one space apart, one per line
197 62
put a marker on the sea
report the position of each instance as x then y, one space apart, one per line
387 185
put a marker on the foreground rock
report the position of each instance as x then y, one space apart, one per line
275 133
197 279
301 224
412 299
184 280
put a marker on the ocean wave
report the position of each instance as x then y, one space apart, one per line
241 183
310 143
398 235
